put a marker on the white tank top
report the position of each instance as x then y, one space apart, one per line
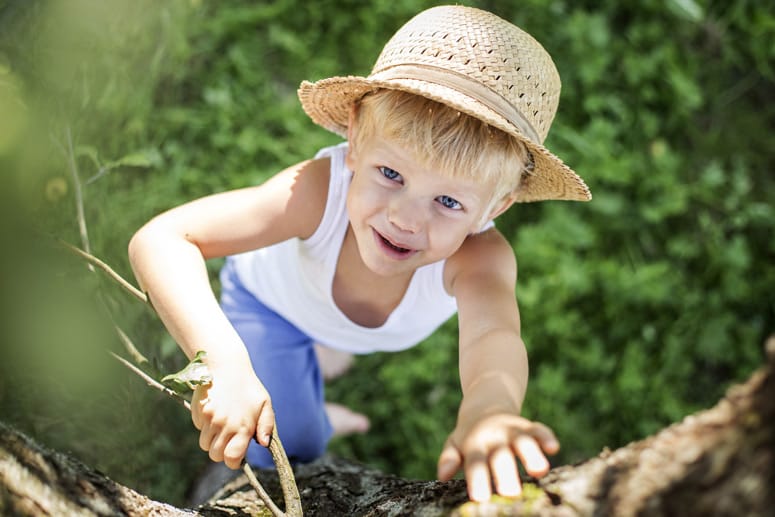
295 278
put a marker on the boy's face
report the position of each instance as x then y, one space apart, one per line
405 215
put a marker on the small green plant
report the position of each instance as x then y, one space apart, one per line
194 374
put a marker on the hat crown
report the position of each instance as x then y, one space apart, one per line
485 48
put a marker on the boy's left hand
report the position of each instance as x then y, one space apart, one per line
487 449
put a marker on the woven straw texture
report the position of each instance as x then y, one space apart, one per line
477 63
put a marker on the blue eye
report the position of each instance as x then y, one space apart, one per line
390 173
449 202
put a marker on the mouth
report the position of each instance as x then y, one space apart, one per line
393 249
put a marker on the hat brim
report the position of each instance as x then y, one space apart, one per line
328 102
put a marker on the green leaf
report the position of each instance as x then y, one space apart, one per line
144 158
687 9
194 374
89 152
141 159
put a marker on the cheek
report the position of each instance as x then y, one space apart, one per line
365 197
360 200
448 239
353 210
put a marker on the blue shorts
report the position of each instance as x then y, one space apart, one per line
284 360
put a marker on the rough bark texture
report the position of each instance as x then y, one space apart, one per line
716 462
37 481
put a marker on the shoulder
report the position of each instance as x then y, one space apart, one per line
484 260
309 184
312 178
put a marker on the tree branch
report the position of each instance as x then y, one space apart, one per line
150 381
107 269
130 347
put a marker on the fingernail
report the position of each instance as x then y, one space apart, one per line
447 468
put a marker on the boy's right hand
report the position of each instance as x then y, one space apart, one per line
229 412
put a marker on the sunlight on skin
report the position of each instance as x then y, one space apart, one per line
529 445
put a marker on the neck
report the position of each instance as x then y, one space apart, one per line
362 295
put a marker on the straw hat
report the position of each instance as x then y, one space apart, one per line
478 64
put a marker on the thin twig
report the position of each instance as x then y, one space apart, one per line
100 173
261 492
152 382
107 269
285 473
78 193
275 447
130 347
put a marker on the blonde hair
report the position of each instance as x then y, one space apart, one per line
448 140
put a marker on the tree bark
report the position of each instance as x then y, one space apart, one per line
716 462
36 481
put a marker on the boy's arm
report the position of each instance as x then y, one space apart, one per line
168 257
493 374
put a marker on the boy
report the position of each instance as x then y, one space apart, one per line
371 246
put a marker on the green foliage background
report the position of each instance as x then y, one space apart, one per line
637 308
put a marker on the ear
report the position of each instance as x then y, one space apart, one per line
501 206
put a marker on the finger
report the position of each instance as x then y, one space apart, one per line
505 473
532 456
265 425
196 416
197 401
477 477
207 435
208 428
450 462
545 437
235 450
218 444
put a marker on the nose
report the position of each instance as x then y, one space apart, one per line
405 213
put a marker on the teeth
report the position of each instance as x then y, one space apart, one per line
397 248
